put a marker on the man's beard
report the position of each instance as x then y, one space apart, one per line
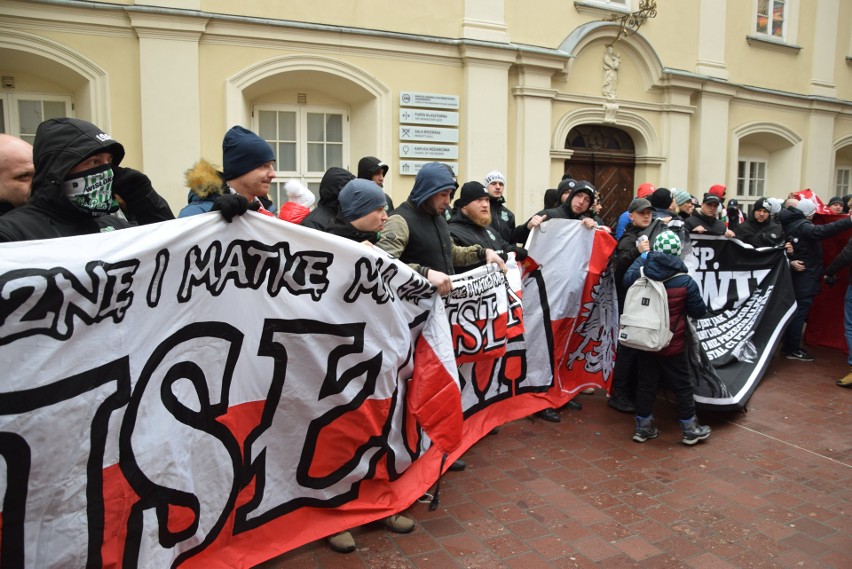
482 219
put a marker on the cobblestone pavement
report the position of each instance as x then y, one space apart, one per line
772 487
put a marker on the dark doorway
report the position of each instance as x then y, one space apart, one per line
606 157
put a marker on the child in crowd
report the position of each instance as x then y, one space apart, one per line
663 263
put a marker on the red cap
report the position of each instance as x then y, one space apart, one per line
645 190
718 190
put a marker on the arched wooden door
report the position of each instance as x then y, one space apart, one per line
606 157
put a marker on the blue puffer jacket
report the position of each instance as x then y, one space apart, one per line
683 293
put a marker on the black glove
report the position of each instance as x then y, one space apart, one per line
830 280
232 205
129 183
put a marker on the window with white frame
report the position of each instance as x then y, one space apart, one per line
751 178
619 4
22 113
306 141
771 20
841 185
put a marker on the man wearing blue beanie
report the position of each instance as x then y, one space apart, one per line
249 168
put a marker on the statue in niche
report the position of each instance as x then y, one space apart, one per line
612 61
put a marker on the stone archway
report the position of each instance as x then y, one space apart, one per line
606 157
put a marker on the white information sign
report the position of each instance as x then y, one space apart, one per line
411 167
428 134
436 151
428 100
418 116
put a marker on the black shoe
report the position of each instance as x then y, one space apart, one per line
457 466
575 405
800 355
622 404
549 415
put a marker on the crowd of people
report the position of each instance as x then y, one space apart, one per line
71 182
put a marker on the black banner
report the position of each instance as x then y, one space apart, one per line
750 297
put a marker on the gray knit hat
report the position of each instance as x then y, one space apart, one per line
359 197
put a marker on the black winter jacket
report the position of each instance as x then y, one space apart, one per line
60 145
345 229
806 237
465 233
625 253
713 225
429 241
756 234
502 220
843 259
332 182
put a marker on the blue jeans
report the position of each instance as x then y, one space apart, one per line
847 321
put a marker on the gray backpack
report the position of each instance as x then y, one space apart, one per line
644 323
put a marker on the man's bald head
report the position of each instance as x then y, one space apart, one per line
16 170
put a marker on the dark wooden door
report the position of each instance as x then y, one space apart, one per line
605 157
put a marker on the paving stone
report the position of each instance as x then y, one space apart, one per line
771 487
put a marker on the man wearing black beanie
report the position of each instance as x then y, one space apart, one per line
249 168
471 225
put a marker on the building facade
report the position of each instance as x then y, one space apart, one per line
753 94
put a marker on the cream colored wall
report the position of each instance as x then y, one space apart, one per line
759 64
510 126
435 18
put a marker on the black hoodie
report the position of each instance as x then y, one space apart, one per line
561 211
332 182
61 144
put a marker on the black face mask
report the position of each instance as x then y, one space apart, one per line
91 190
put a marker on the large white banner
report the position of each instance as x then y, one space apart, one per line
202 393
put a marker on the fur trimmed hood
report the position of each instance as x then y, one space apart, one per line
204 180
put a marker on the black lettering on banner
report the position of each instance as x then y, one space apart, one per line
284 340
45 404
515 308
371 279
155 287
181 392
416 289
47 301
252 265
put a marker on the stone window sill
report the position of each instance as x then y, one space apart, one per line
773 44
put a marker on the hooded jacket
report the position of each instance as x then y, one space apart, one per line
423 240
205 184
562 211
332 182
61 144
806 238
368 165
682 292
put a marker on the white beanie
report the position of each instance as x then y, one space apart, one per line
774 205
298 193
807 207
495 176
